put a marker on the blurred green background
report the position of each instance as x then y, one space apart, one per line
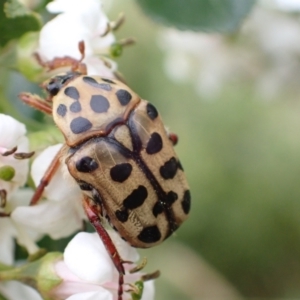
241 154
240 148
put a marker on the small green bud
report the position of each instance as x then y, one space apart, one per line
138 289
116 50
7 173
39 274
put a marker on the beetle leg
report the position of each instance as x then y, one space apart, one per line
93 212
173 138
36 102
66 61
46 179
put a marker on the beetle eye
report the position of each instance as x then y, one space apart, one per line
53 87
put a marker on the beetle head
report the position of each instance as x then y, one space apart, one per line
54 84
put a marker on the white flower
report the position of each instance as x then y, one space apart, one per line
78 21
12 134
89 273
12 228
14 290
264 53
284 5
200 58
62 213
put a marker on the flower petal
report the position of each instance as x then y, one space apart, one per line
7 235
14 290
79 21
12 131
57 219
87 257
125 250
149 290
12 135
62 185
99 295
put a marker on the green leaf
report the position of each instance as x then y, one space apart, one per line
15 20
200 15
8 56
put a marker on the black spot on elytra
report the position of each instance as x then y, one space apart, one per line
75 107
186 202
123 96
171 197
120 172
136 198
61 110
86 165
151 111
105 86
108 80
122 215
157 209
169 169
155 143
80 125
150 234
91 81
99 104
72 92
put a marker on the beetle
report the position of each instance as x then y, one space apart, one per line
120 154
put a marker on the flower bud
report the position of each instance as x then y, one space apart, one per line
39 274
7 173
116 50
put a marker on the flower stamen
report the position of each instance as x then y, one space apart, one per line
118 23
151 276
3 195
23 155
10 152
139 267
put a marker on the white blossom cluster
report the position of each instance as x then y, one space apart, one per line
85 269
265 52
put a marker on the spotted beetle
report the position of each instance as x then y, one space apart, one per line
120 154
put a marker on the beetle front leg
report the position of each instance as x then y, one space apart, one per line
93 212
46 179
36 102
60 62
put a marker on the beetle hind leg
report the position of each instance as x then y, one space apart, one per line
173 138
93 211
